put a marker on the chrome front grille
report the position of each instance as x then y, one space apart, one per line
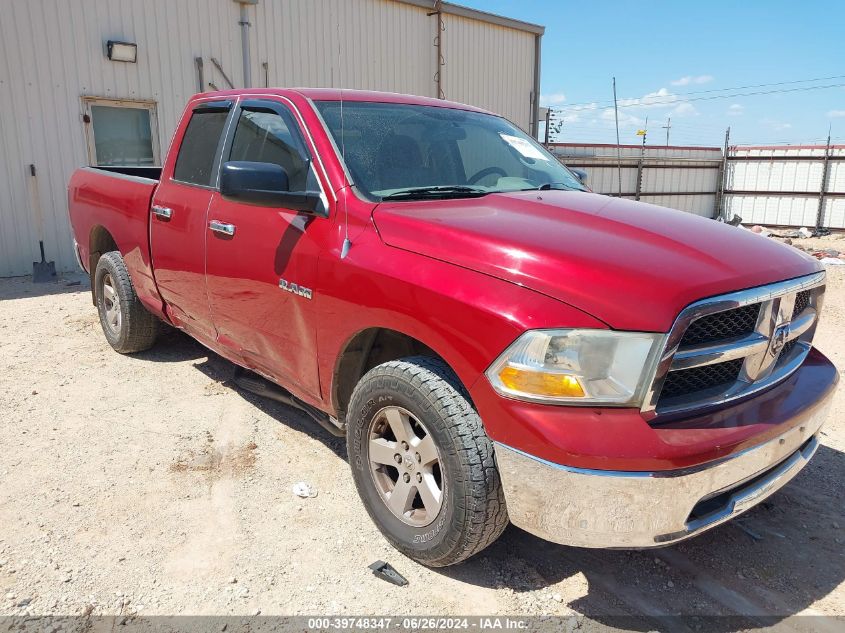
722 325
730 346
700 379
802 302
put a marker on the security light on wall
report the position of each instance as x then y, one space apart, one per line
122 51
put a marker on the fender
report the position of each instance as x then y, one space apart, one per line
467 318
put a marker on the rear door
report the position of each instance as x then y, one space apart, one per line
251 271
178 221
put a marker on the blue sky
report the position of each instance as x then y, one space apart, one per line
660 50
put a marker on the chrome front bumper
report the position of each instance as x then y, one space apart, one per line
615 509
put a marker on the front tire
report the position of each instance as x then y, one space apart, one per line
127 324
422 463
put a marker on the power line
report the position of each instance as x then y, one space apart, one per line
778 83
680 98
696 92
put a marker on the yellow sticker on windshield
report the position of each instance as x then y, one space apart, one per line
523 146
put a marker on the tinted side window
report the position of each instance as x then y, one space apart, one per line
266 137
199 146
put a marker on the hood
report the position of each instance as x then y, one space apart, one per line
635 266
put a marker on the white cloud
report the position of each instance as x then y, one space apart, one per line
590 119
552 99
692 79
662 99
625 119
736 109
776 125
658 98
836 114
684 109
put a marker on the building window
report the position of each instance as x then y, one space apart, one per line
121 133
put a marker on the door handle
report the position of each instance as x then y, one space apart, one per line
221 227
165 213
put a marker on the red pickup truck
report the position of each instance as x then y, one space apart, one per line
496 342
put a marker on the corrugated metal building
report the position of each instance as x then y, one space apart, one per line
64 103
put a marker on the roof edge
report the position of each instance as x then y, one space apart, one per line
477 14
782 147
637 146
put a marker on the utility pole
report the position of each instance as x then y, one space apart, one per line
667 127
723 171
641 162
823 190
618 146
548 125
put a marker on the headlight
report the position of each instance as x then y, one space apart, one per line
577 367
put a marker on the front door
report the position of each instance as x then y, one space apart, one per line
178 220
256 254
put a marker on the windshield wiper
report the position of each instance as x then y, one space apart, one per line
447 191
561 186
549 186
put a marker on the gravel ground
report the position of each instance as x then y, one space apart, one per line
150 485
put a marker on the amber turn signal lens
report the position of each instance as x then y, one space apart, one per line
541 383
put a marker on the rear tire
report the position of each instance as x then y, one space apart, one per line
411 421
127 324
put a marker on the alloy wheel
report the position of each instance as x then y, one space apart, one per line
405 465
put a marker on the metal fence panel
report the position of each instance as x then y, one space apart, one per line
683 178
773 210
770 185
697 205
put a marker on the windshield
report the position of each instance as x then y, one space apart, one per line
402 151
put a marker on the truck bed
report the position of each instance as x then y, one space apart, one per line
110 207
150 173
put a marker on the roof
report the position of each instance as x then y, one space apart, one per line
482 16
334 94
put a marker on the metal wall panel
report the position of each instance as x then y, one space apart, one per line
487 65
53 53
364 44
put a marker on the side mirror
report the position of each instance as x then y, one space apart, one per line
266 185
582 175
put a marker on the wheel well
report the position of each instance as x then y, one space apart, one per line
367 349
99 242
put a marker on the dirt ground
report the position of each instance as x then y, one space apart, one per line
150 485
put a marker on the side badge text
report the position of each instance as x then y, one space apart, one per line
296 289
